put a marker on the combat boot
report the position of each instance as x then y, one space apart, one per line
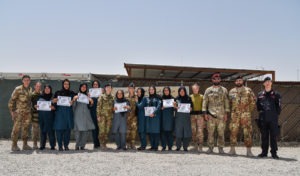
221 151
249 153
232 151
133 146
14 147
35 145
200 150
26 146
103 147
210 150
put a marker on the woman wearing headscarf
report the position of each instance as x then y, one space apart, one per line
119 124
64 121
183 130
153 120
46 119
141 102
95 132
83 122
167 121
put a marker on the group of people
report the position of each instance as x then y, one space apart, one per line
161 117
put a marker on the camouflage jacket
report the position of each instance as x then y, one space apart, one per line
132 103
216 102
20 101
34 98
105 105
241 100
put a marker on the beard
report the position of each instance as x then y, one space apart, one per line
216 83
238 85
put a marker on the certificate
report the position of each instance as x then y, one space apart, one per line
82 98
184 107
120 107
95 92
63 101
149 110
44 105
168 103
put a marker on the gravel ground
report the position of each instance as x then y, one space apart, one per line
111 162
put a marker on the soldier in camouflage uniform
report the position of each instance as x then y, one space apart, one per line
215 107
131 118
197 119
35 115
19 106
105 114
242 103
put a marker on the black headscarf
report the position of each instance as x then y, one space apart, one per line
139 99
142 94
63 91
96 82
45 96
120 100
185 98
167 96
82 84
153 95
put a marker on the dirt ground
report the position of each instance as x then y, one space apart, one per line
132 162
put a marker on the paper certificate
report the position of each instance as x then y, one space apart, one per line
149 110
95 92
44 105
120 107
82 98
184 107
63 101
168 103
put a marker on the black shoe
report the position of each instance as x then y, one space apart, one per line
275 156
125 149
119 148
262 155
178 149
52 148
42 148
77 148
141 148
170 149
163 149
67 149
82 148
185 150
61 149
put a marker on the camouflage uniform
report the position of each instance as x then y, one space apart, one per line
216 104
131 122
197 120
105 111
242 104
35 119
20 103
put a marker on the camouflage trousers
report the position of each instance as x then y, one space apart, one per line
242 120
212 124
104 128
21 121
35 132
131 130
197 122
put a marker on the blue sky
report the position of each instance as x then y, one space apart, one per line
99 36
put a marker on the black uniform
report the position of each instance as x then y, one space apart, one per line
269 108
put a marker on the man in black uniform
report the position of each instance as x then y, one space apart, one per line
269 108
